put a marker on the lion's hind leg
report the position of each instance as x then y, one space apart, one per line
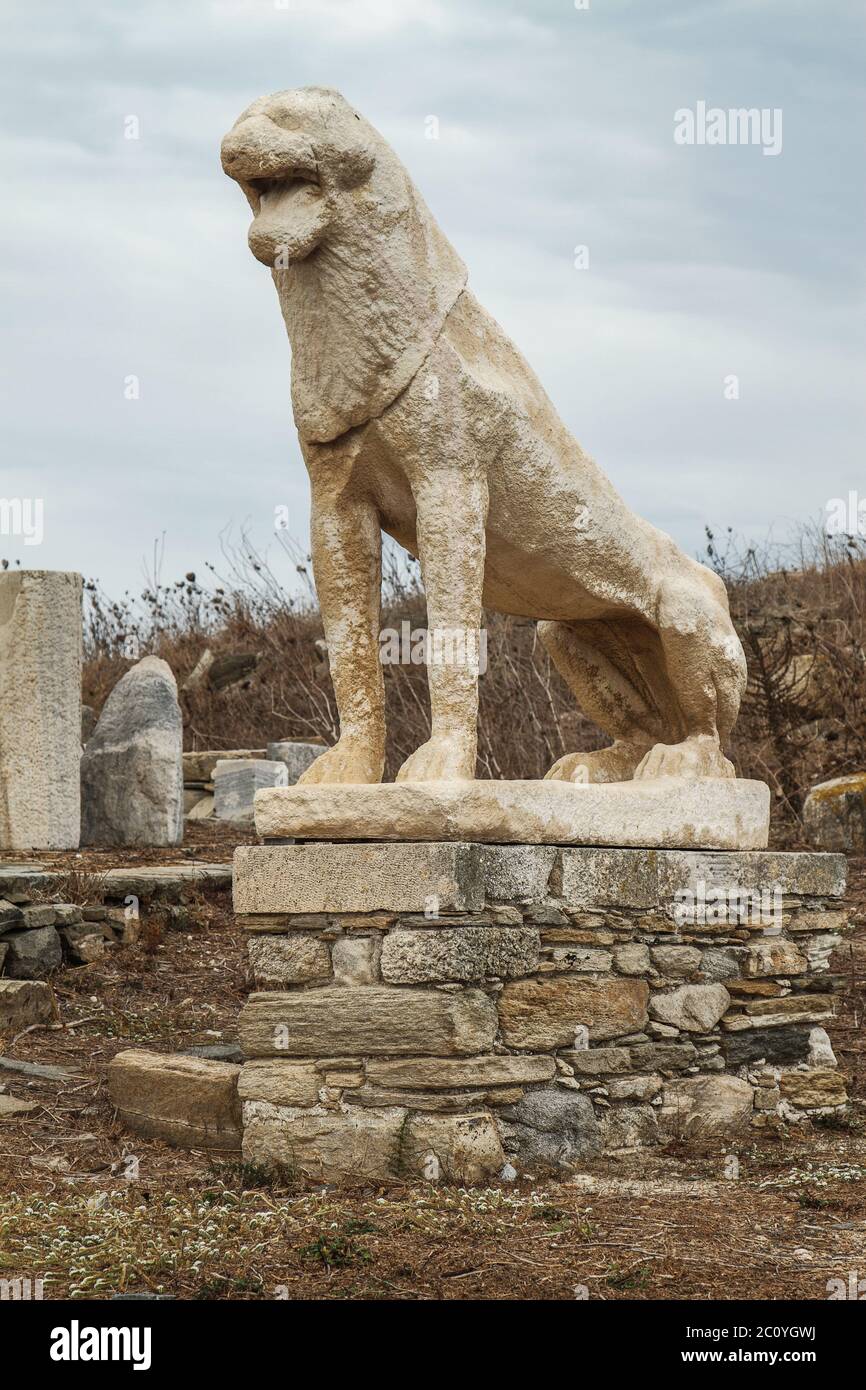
615 670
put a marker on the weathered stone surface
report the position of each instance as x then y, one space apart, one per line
236 781
356 960
583 960
706 1106
588 877
718 964
186 1101
676 960
545 1012
23 1002
32 954
280 1082
458 953
821 1052
375 1020
716 813
599 1061
296 756
798 874
40 709
632 958
663 1056
277 961
203 808
497 1069
131 769
630 1127
11 1108
810 1089
769 1013
834 814
695 1008
445 1102
459 1148
774 957
784 1045
82 946
199 766
10 915
4 950
358 1145
633 1087
516 873
554 1128
357 878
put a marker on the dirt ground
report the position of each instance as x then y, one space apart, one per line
95 1211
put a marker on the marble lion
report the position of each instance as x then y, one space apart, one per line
418 417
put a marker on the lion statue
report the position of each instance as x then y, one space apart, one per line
417 416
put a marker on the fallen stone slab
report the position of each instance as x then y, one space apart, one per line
38 1070
11 1108
664 812
131 769
199 766
190 1102
23 1003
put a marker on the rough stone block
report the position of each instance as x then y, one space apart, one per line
32 954
781 1046
458 953
356 960
22 1003
706 1107
296 756
280 1082
774 957
442 1073
797 874
695 1008
516 873
834 814
460 1148
371 1021
813 1089
40 709
546 1012
199 766
357 878
630 1127
236 781
359 1144
278 961
588 878
186 1101
554 1128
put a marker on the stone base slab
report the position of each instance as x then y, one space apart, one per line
663 812
189 1102
470 1011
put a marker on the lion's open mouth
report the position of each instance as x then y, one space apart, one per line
290 218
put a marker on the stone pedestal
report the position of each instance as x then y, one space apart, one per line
464 1010
40 709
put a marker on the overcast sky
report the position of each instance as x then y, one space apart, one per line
127 257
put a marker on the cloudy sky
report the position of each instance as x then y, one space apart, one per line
127 257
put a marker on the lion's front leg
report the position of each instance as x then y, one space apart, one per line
451 519
347 564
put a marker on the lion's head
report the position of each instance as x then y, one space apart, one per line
364 275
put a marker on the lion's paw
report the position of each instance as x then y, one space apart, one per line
439 760
695 757
614 764
345 762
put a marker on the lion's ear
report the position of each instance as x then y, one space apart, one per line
353 165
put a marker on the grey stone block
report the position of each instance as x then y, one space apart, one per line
236 781
552 1127
296 756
